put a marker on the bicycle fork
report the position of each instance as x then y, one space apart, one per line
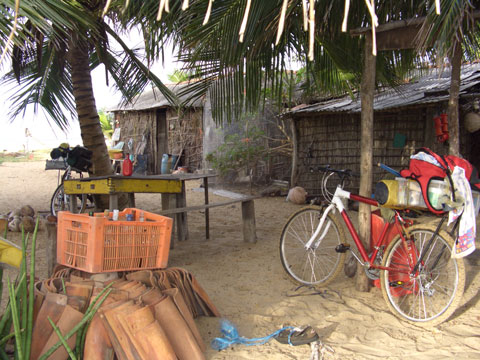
335 204
315 236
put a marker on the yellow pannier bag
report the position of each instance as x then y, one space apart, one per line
9 253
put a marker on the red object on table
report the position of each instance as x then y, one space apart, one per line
127 168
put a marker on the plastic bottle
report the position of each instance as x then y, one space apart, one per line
127 168
142 216
115 215
164 167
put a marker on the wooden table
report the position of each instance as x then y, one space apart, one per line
171 186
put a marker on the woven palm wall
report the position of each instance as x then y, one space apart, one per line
334 139
184 135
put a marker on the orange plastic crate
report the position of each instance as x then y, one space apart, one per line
96 244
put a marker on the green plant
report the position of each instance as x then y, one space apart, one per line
179 76
239 151
19 312
106 122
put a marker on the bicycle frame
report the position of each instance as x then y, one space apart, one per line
337 204
411 263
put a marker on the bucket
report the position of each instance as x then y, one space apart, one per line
165 168
399 193
435 189
386 192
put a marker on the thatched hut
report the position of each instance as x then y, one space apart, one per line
153 127
328 132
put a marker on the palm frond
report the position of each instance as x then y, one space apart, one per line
52 91
132 76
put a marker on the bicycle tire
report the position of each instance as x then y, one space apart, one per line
60 201
318 266
430 297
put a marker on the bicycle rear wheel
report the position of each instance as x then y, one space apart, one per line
61 201
320 264
435 291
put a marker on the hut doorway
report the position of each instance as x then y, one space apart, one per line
162 138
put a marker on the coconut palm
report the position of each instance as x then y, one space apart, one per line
239 71
454 35
55 51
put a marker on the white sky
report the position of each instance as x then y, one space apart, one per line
45 135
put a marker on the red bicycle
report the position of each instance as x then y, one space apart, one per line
419 279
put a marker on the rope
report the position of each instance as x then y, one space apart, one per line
231 336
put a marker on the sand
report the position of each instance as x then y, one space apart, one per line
249 286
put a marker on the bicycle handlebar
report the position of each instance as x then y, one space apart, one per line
79 157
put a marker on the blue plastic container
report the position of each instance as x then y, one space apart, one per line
165 168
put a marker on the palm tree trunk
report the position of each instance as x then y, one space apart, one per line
366 153
90 128
453 117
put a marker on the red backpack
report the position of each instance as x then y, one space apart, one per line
424 172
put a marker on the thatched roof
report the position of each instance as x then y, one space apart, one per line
153 98
431 88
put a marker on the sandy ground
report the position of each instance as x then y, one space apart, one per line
249 286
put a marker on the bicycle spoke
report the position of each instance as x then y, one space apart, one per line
313 277
316 265
295 235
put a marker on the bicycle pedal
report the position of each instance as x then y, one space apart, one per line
342 248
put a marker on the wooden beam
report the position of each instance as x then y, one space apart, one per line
396 39
392 25
401 34
399 24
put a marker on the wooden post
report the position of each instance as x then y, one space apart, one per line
113 202
207 213
131 200
51 246
453 118
248 217
367 94
294 176
73 203
168 203
182 224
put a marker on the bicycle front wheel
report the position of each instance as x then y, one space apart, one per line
320 263
433 293
61 201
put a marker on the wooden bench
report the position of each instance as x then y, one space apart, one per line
248 215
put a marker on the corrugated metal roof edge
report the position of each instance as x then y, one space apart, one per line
149 108
470 79
197 103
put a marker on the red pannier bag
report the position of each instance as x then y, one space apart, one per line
424 172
